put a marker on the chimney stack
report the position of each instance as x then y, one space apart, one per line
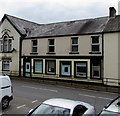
112 12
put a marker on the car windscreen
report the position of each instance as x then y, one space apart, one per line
49 110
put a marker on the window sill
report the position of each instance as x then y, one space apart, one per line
34 53
7 52
51 53
95 52
73 52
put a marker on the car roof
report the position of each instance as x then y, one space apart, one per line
114 106
65 103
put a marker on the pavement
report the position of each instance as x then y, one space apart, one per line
74 84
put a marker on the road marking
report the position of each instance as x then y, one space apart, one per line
95 97
41 89
34 101
21 106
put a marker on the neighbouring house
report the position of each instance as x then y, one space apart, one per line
81 50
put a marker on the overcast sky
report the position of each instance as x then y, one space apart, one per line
50 11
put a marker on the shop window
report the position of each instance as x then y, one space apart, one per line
65 68
6 65
81 69
50 66
38 66
96 69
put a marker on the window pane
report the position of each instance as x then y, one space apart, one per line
51 48
5 45
1 45
9 45
38 66
74 40
34 42
74 48
95 39
95 47
51 41
34 49
96 71
6 65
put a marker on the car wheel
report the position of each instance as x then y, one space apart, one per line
5 103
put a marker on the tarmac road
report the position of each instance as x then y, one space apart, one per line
27 95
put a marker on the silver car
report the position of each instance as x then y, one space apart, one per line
63 107
112 109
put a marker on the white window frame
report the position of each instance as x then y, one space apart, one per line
34 46
95 44
74 45
49 45
7 62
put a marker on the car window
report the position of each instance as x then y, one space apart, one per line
48 110
105 113
79 110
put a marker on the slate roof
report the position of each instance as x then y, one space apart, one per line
78 27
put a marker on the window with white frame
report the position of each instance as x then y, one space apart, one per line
38 66
74 46
95 44
34 46
51 45
6 65
7 44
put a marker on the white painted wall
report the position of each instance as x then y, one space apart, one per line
15 44
111 56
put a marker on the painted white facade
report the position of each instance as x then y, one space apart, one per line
13 56
111 57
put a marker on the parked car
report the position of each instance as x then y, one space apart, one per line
63 107
6 91
112 109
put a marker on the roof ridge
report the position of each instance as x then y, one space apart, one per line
75 20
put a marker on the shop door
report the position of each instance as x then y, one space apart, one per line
27 69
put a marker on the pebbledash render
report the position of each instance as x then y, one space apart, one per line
82 50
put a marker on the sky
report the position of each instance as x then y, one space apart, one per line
51 11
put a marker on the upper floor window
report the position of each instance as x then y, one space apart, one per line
95 44
51 45
74 46
34 46
6 44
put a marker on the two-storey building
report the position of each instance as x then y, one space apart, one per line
82 50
